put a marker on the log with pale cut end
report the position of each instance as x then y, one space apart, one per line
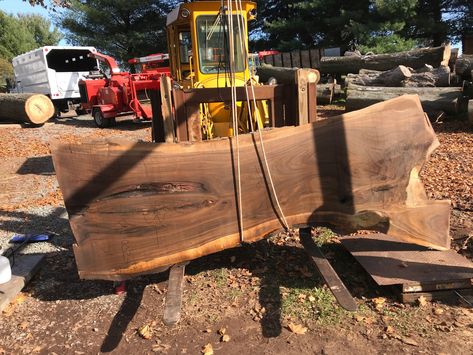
433 100
29 108
464 66
415 59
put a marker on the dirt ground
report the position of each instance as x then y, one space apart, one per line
255 299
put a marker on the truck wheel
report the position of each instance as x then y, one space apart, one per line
101 121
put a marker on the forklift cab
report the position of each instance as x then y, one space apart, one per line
199 44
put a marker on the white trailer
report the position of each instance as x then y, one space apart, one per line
54 71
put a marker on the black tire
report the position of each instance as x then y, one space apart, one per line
101 121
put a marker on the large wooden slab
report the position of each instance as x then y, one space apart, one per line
138 207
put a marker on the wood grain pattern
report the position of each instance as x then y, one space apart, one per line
29 108
136 208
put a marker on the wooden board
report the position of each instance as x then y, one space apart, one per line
23 270
393 262
138 207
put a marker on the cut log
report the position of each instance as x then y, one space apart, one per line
282 75
415 59
327 92
464 66
137 207
29 108
392 77
433 100
427 76
437 77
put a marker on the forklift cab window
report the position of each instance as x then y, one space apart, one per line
185 47
213 43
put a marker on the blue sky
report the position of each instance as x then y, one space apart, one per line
19 6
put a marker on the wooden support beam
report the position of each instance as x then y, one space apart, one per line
330 276
167 111
172 307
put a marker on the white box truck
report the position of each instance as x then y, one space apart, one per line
54 71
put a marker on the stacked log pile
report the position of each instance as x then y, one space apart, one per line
432 73
436 74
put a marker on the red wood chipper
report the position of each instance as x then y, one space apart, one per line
108 95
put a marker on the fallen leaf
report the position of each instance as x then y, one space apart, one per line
297 328
311 299
409 341
225 338
207 349
301 297
438 311
389 330
422 301
359 318
379 302
222 331
145 332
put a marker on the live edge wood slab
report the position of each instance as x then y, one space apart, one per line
138 208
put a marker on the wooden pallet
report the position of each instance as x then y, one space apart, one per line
415 270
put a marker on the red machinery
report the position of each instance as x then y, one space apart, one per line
108 96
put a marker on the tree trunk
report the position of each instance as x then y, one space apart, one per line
437 77
433 100
282 75
464 66
392 77
427 76
415 59
28 108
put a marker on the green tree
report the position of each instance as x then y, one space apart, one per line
439 21
368 24
14 38
39 28
20 34
122 28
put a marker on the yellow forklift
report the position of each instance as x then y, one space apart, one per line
208 48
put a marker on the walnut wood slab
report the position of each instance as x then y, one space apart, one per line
137 208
